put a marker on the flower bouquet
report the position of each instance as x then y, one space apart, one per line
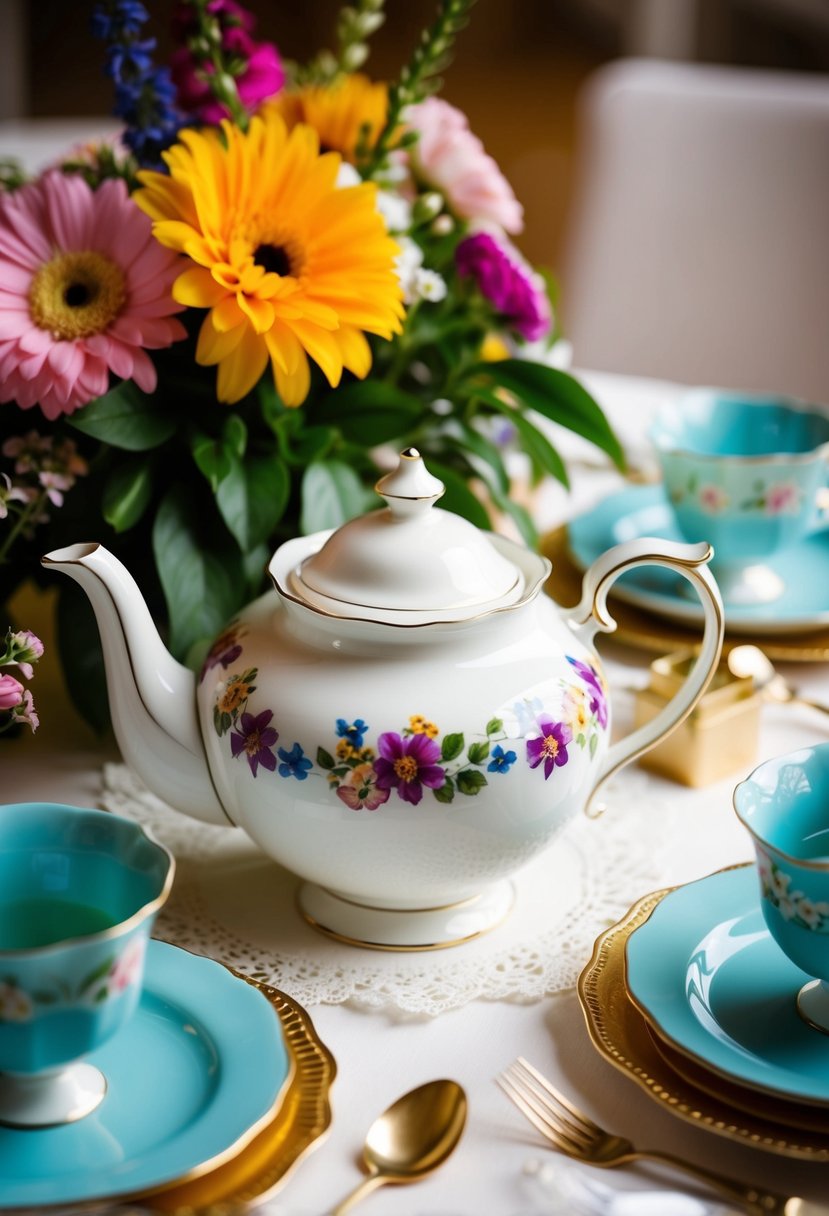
221 324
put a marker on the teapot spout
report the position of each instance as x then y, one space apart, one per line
152 697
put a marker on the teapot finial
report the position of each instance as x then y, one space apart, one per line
410 488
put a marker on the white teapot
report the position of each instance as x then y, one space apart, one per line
403 722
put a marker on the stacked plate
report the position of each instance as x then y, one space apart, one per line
651 604
216 1087
690 996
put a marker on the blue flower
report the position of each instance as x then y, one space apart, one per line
501 761
353 732
117 18
294 763
145 95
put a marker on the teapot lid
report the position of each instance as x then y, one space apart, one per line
408 562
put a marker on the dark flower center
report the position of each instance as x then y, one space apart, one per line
273 259
78 294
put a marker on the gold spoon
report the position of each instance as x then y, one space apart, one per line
410 1139
751 661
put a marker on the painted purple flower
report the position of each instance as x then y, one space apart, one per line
224 651
407 765
598 698
353 732
513 289
294 763
255 738
551 746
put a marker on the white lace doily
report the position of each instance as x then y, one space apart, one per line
232 903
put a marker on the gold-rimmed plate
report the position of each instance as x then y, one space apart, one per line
299 1124
621 1035
647 631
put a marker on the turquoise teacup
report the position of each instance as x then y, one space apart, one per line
743 473
784 804
79 890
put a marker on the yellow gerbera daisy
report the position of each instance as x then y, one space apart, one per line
288 264
337 112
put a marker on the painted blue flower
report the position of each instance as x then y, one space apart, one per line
294 763
352 732
501 761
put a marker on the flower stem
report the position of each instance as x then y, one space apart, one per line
220 81
30 511
418 77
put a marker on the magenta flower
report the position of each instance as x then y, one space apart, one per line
11 692
598 697
454 161
255 738
513 289
551 746
262 74
407 765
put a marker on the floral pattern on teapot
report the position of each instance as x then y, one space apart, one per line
405 762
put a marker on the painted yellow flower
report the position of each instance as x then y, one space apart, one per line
337 112
289 265
419 725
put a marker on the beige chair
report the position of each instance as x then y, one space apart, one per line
698 248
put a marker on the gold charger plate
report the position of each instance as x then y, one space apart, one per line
769 1108
654 633
299 1122
621 1035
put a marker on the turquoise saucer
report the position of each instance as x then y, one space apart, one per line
643 511
709 979
190 1078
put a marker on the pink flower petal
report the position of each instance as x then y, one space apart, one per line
144 373
67 208
13 324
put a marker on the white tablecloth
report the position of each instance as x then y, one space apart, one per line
379 1056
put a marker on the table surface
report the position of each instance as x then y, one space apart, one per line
379 1056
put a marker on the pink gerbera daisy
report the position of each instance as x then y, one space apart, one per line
84 291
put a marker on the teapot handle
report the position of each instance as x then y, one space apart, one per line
591 615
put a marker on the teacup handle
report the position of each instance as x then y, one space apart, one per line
591 616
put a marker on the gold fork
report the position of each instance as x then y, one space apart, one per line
571 1132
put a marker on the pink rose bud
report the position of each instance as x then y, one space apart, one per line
11 692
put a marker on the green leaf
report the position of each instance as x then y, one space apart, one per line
489 456
452 747
252 498
556 395
235 435
324 758
494 726
470 781
446 793
520 517
331 494
203 582
458 497
594 743
127 493
537 446
370 412
127 418
299 443
212 458
478 752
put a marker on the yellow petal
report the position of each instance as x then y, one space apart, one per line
212 347
323 348
354 350
293 389
198 289
259 312
240 370
227 314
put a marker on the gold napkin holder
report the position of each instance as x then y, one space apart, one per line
720 735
